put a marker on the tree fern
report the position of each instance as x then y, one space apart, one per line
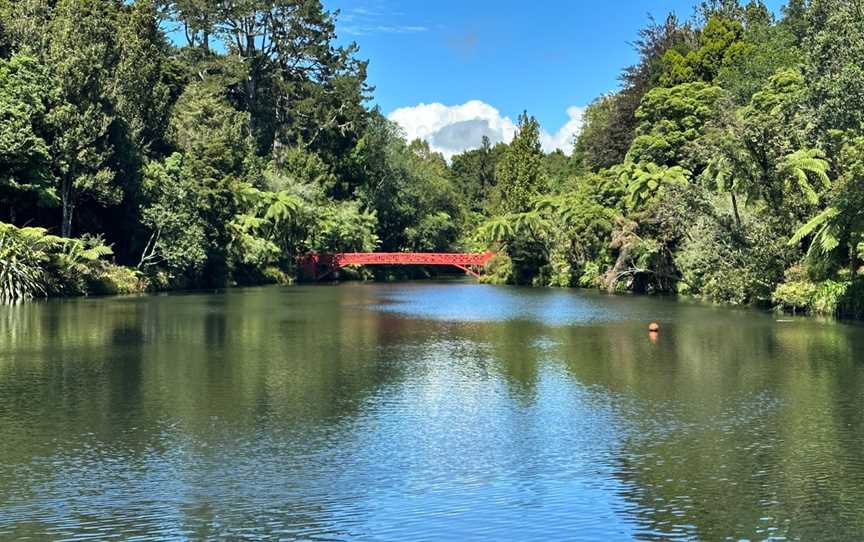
824 229
499 229
646 180
803 166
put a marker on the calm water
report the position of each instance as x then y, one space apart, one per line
426 412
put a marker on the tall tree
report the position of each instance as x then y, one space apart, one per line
474 172
82 55
144 86
520 171
835 49
25 173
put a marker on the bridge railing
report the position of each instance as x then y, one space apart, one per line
316 266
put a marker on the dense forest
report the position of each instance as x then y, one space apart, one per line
729 165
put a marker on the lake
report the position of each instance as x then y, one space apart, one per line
426 411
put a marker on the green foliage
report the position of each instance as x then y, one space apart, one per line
172 212
81 53
646 181
834 47
407 184
829 297
720 45
343 227
520 171
34 264
836 233
25 173
800 167
24 254
214 136
765 49
733 146
76 263
145 84
732 264
670 119
474 173
597 144
498 270
115 279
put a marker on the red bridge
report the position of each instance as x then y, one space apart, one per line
318 266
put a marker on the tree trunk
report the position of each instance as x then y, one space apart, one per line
68 207
612 275
735 210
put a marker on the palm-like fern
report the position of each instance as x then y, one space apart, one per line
825 230
803 166
529 224
498 229
282 207
645 180
77 255
730 175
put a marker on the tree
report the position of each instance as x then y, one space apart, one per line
216 142
598 146
25 172
520 171
613 127
171 211
82 54
834 48
720 42
771 127
198 18
670 119
473 173
408 187
645 181
799 167
837 232
144 85
211 133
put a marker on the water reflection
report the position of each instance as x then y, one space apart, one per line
425 412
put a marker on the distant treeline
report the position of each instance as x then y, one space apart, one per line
729 165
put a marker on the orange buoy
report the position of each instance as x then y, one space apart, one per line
653 327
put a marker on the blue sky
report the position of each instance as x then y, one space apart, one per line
544 56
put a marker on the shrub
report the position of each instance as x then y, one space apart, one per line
794 297
35 264
499 270
24 253
844 299
723 263
115 279
77 264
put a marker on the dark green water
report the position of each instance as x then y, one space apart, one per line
426 412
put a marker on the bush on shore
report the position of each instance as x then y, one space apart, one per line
36 264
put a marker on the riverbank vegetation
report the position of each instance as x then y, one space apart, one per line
729 165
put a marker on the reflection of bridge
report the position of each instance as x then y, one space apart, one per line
318 266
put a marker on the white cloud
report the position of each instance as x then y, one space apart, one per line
367 29
379 17
564 138
454 129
